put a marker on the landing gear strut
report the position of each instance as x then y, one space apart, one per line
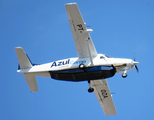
90 90
124 75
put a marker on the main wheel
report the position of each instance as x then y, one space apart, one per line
90 89
82 66
124 75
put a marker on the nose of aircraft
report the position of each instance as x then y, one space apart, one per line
134 63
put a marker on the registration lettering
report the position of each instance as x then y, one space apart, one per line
80 28
104 93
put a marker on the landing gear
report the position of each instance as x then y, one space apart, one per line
90 89
124 75
82 66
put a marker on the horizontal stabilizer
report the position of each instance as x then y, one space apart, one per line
31 80
23 59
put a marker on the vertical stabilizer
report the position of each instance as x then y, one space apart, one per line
23 59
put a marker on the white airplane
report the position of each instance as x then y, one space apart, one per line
88 66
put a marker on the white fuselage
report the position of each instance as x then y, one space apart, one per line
72 63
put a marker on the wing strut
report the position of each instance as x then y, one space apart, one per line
89 52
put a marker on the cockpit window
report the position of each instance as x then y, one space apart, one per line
101 57
108 56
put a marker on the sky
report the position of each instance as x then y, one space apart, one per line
121 29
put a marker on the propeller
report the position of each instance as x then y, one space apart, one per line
137 68
135 63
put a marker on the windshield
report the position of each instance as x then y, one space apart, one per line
108 56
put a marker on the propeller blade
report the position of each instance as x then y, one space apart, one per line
137 68
135 63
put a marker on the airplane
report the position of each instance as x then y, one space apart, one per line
88 66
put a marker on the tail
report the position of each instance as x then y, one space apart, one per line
25 63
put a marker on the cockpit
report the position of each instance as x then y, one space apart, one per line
104 56
108 56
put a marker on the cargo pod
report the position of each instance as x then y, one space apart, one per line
89 73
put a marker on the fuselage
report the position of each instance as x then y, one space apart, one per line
102 66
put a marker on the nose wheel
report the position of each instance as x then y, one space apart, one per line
124 75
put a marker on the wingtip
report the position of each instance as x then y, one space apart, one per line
18 48
70 4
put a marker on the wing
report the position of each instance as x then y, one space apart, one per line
80 32
103 95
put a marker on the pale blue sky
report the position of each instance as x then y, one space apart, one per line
121 28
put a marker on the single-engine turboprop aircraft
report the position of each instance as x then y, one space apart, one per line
88 66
